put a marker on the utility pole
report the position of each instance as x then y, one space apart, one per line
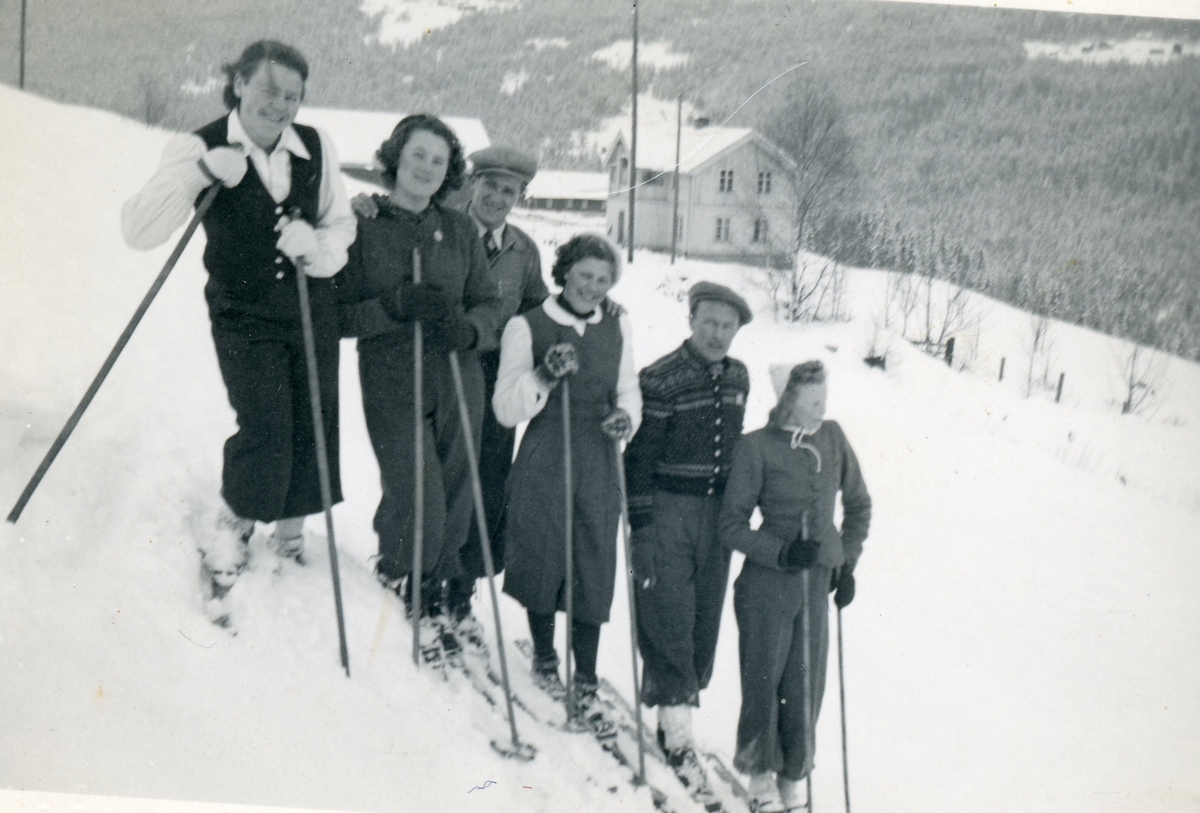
675 205
633 137
21 77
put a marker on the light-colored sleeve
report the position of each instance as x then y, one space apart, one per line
150 217
520 394
336 225
629 393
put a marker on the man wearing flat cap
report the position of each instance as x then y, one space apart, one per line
694 399
499 176
792 470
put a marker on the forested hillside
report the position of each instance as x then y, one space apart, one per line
1066 187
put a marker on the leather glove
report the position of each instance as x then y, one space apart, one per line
365 206
799 554
426 301
643 540
612 308
842 586
560 360
453 332
617 425
224 164
297 240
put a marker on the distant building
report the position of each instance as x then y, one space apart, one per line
735 198
357 134
559 190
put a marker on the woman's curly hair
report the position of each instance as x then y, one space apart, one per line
389 151
582 247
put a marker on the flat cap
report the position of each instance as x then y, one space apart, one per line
712 292
506 160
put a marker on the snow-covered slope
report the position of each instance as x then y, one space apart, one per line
1024 636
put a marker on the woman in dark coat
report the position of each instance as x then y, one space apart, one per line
568 335
457 302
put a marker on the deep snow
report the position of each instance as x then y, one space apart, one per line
1023 638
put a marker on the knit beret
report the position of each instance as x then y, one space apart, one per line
785 377
712 292
505 160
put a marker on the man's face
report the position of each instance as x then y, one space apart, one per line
492 197
714 324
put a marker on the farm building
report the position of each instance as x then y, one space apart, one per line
735 198
560 190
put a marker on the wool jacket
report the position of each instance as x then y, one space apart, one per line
692 414
382 257
787 481
518 272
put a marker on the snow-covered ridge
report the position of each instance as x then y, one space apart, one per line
656 54
404 22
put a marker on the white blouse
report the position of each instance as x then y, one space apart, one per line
520 394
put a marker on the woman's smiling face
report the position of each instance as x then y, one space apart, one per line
268 102
587 283
421 169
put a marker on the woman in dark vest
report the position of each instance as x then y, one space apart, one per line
568 335
283 209
456 301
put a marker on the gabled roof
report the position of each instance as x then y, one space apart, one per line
357 134
560 184
698 147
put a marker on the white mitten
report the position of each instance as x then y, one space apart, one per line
224 164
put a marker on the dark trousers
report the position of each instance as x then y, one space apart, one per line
386 372
270 467
679 617
495 460
769 607
585 645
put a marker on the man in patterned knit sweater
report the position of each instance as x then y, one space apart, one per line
694 399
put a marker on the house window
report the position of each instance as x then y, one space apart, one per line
621 228
612 175
725 182
624 170
760 231
764 183
722 230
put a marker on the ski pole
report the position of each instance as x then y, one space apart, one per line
625 532
806 642
314 397
842 696
569 517
201 210
415 575
519 750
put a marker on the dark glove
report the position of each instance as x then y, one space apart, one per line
453 332
560 360
425 301
842 586
612 308
800 554
643 540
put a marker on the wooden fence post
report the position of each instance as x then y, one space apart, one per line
1058 395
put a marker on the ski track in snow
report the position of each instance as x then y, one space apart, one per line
1023 636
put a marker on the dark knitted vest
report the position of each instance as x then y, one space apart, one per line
241 255
594 387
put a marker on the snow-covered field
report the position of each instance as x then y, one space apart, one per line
1024 636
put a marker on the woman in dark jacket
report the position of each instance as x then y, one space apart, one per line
456 302
792 470
570 334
